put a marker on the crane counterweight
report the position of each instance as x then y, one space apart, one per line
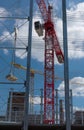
39 28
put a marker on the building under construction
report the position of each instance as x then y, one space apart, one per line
15 109
39 98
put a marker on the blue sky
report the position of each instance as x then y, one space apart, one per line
75 27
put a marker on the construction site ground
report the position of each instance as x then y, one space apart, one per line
39 127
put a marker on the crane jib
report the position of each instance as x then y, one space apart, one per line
58 50
43 9
49 27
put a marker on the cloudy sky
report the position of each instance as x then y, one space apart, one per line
18 10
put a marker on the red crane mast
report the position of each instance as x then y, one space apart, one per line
51 45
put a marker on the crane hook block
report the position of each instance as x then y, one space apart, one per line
11 77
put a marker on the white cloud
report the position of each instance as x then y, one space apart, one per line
75 31
75 35
3 13
72 4
76 108
77 86
75 27
37 100
37 42
5 51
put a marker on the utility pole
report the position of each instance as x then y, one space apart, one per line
56 106
10 105
27 84
71 107
41 111
66 76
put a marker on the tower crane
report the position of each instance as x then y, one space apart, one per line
51 45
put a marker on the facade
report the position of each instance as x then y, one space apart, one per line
61 111
15 109
2 118
15 106
79 117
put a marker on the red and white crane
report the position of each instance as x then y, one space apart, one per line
51 45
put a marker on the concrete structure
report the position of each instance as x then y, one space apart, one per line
61 109
79 117
15 106
2 118
15 109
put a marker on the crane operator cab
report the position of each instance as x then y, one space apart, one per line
39 28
